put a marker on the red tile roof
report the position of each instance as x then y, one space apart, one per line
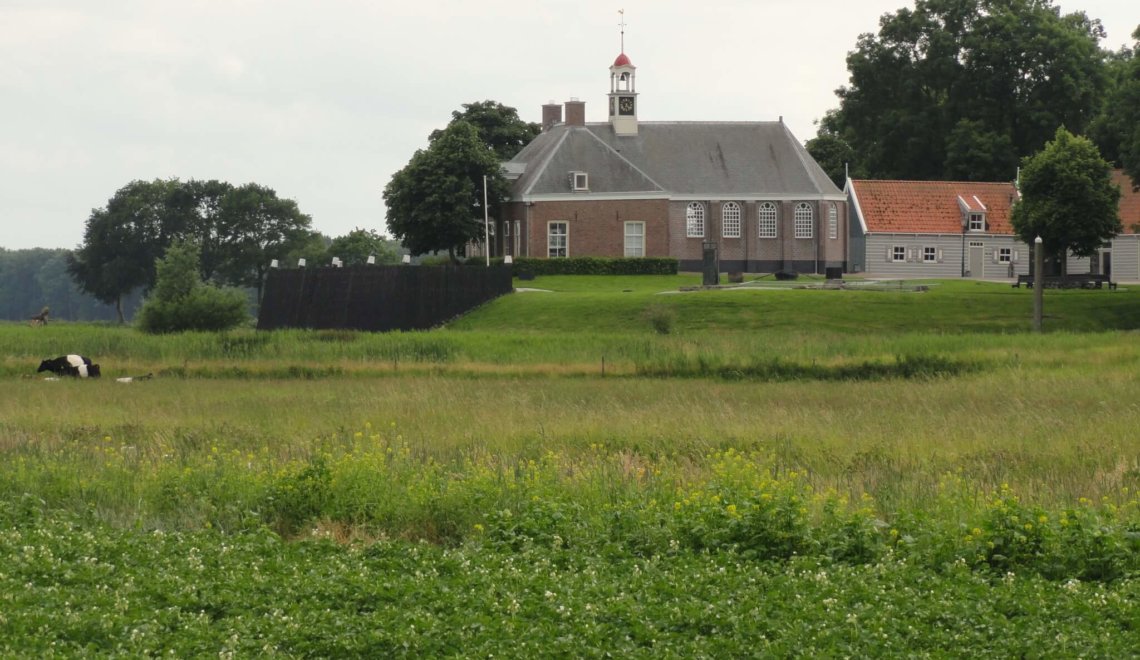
932 207
1129 202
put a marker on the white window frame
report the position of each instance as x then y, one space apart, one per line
490 229
804 220
580 181
730 216
977 221
766 220
929 254
898 254
832 222
1005 255
638 248
695 220
551 237
506 229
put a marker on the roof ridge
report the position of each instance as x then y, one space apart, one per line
961 183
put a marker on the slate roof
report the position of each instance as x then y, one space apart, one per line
932 207
715 159
1129 202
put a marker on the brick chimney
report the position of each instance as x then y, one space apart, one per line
551 115
575 112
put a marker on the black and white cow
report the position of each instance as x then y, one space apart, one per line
70 365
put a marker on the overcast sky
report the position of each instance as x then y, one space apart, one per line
324 100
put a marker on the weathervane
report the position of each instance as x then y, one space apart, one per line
622 26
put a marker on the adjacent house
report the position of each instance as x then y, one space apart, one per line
633 188
947 229
934 229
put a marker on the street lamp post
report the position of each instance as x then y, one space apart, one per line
1038 282
486 225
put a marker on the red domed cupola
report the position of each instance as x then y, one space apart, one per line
623 60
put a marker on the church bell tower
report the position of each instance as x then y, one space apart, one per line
623 92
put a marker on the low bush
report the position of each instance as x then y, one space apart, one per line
181 301
587 265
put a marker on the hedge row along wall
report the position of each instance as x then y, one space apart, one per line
376 298
588 265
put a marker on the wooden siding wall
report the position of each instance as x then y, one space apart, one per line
1126 258
950 266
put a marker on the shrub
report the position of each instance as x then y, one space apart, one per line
588 265
661 318
181 301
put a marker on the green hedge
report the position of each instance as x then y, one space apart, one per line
588 265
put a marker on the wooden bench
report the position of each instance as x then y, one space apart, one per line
1081 281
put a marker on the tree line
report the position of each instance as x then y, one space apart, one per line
966 89
237 230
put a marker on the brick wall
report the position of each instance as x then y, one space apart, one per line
597 229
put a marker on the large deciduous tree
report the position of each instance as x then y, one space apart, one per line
1117 130
1067 198
356 246
498 125
238 231
122 241
257 226
964 88
435 202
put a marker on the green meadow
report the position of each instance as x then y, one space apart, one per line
609 465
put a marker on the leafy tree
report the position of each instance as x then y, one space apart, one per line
356 246
181 301
200 207
975 153
313 248
258 227
122 241
1014 70
436 201
498 125
1067 198
1117 129
834 155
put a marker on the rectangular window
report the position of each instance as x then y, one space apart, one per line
557 239
977 222
898 253
581 180
832 223
803 227
929 255
1005 255
507 228
635 239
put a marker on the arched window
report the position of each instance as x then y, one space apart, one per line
767 216
832 222
730 220
695 220
804 220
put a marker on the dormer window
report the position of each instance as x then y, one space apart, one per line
580 181
977 222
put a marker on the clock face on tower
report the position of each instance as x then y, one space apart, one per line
625 105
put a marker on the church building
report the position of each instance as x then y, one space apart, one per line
631 188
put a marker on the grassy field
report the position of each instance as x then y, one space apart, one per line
742 441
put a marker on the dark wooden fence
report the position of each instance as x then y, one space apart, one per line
377 298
